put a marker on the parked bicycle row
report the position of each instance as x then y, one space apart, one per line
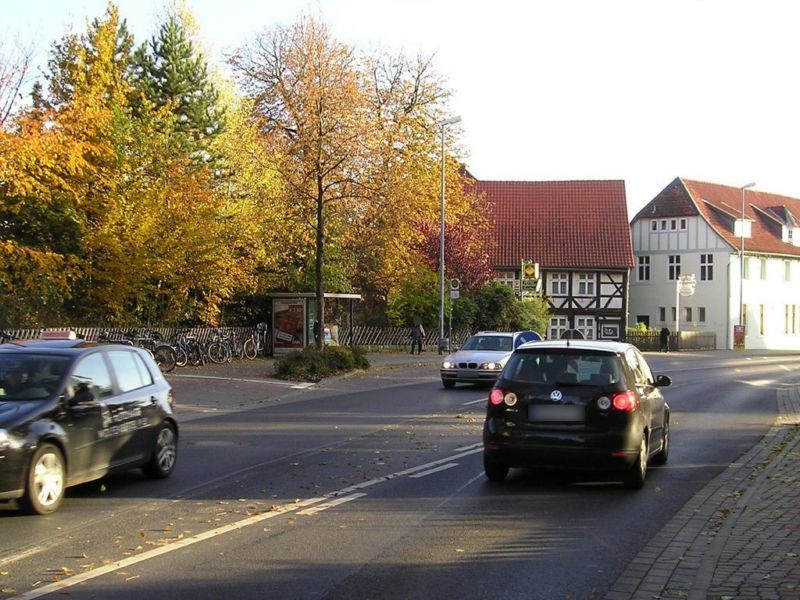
184 348
187 349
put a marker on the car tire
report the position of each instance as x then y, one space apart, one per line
494 469
635 476
448 384
663 455
47 478
165 453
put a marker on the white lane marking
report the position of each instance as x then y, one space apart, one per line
132 560
432 471
281 510
291 384
478 401
21 555
333 503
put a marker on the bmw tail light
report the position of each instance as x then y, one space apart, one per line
626 401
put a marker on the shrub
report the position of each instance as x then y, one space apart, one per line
313 365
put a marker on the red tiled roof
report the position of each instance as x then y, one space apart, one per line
559 224
721 205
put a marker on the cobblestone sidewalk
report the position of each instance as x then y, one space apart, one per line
739 537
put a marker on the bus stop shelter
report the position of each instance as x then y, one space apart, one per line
294 315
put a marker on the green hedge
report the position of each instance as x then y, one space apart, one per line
313 365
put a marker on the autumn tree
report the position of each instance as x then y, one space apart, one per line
307 94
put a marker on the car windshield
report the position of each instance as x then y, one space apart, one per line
30 376
483 343
557 368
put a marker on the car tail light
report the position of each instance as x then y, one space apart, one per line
626 401
498 397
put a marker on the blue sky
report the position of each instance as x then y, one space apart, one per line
639 90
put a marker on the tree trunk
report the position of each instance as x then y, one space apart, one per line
319 264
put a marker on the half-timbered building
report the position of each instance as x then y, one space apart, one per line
577 234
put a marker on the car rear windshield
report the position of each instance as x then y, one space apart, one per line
499 343
30 376
563 368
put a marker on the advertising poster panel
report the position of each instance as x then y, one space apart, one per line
288 315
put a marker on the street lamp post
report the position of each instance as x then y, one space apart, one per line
741 256
443 124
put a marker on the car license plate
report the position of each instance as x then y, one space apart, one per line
560 412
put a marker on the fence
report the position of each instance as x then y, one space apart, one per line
683 340
371 338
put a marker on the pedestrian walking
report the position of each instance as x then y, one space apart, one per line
417 336
664 339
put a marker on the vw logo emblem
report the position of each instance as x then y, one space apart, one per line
555 395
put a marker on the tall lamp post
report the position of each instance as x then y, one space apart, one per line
741 256
442 124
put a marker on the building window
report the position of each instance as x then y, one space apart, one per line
688 314
662 314
673 313
508 278
706 267
558 284
701 314
674 267
763 269
663 224
683 225
558 325
644 268
586 326
653 225
673 224
585 284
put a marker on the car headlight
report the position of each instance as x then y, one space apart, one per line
448 364
5 441
491 366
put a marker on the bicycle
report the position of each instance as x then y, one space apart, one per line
188 351
162 353
254 345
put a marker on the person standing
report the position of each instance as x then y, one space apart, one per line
664 339
417 336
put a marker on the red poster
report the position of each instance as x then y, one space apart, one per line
289 317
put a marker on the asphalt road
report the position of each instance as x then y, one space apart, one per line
372 487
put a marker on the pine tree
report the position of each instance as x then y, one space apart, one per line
170 72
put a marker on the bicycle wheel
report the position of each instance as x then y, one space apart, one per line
164 355
217 352
249 348
196 354
181 356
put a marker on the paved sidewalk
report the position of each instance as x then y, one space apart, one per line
739 537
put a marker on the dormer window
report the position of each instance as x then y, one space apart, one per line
743 228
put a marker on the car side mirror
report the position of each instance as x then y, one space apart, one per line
663 381
83 394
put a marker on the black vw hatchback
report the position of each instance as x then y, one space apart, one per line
73 411
575 404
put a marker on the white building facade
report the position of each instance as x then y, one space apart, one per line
692 228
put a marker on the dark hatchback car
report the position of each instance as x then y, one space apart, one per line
574 404
73 411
